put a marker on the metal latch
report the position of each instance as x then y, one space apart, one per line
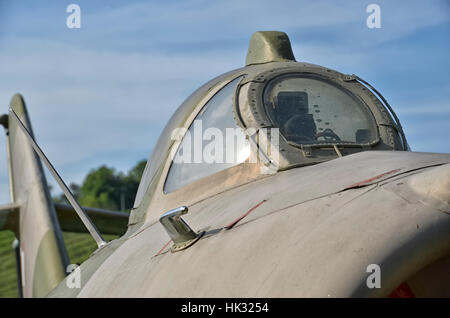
307 151
180 233
349 78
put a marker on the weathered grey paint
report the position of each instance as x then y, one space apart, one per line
47 269
39 232
269 46
312 238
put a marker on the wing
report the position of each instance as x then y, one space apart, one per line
7 216
107 221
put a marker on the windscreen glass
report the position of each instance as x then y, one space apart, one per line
213 142
310 111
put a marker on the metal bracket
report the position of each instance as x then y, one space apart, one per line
348 78
180 233
307 151
90 226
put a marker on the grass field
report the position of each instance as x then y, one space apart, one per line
79 246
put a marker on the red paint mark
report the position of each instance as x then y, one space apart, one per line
365 182
163 248
229 226
402 291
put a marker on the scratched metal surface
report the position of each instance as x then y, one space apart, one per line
310 238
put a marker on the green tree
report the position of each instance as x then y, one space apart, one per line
61 198
106 188
101 189
131 183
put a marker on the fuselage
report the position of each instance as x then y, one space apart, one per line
306 232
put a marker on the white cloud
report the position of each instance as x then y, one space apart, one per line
108 90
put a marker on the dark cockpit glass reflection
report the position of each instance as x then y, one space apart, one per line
311 111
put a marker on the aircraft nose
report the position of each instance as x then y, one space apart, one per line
434 186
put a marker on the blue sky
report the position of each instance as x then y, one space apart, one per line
101 94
